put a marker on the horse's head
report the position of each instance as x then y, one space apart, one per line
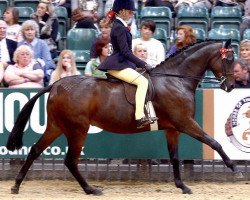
224 71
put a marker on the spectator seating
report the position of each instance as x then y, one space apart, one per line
194 16
246 34
80 38
82 57
62 16
162 16
208 83
225 34
226 17
3 4
200 34
161 35
24 13
26 3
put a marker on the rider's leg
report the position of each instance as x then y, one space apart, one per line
131 76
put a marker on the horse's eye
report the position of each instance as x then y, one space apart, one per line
230 57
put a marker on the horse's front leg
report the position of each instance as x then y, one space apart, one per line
195 131
172 137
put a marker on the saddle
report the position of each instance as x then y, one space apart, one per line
130 89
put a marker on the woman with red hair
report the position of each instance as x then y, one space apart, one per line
185 37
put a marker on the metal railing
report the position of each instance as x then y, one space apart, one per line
118 170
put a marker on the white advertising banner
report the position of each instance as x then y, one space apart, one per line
232 123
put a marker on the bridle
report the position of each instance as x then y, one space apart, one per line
224 58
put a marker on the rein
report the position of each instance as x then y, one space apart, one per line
186 76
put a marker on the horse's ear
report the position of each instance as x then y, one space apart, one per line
227 43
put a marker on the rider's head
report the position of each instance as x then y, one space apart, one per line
124 9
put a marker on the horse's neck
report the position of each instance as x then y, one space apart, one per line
191 62
201 60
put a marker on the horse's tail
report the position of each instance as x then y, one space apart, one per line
16 135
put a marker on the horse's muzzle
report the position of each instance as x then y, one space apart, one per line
227 87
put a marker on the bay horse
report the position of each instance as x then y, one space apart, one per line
76 102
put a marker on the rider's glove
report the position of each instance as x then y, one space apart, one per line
148 68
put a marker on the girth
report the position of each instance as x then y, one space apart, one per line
130 89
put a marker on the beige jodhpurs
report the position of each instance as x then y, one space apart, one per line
131 76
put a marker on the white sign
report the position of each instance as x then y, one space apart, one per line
232 123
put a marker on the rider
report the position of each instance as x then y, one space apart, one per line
122 63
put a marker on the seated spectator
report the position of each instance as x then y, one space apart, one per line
1 74
11 17
93 11
156 51
185 37
246 18
30 32
241 74
105 28
7 46
245 50
64 3
48 25
201 3
26 72
140 51
66 66
102 51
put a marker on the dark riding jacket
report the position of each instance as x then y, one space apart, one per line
122 56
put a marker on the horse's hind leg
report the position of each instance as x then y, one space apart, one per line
48 137
172 139
75 143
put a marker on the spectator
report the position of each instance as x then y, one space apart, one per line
11 17
64 3
246 18
105 28
26 72
140 51
201 3
66 66
102 52
7 46
30 33
87 14
245 50
185 37
48 25
156 52
241 74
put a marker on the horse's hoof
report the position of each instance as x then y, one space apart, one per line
187 191
93 191
239 175
14 190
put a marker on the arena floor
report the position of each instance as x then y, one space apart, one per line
129 190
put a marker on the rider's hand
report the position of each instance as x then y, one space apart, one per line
148 68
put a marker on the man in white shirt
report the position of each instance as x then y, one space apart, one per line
156 51
7 49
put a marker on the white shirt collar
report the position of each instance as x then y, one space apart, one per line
124 23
